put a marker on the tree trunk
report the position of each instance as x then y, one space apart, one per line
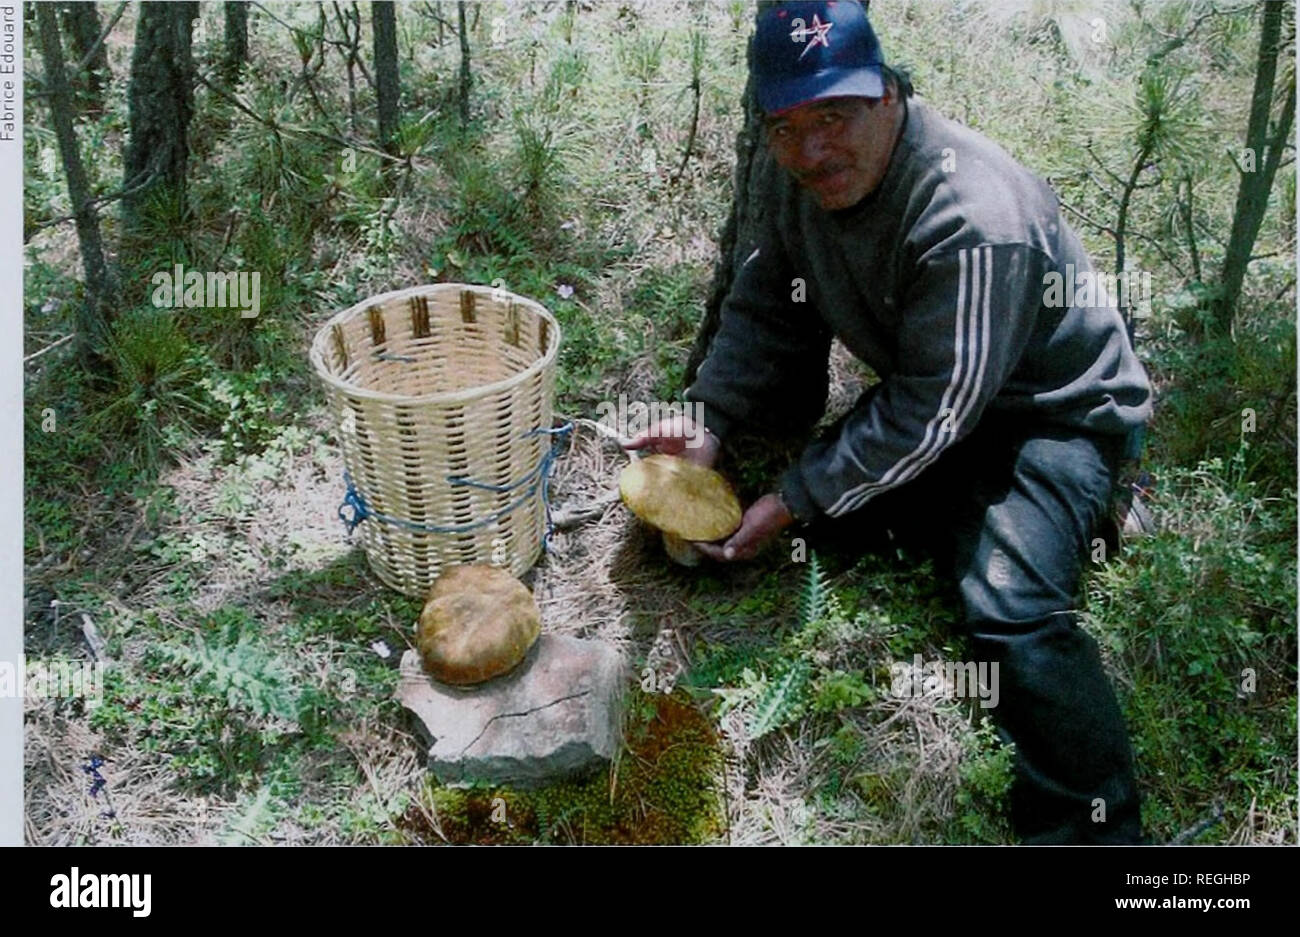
235 54
160 102
1266 147
754 181
465 78
353 42
95 313
388 90
81 23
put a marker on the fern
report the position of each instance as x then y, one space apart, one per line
248 678
815 598
794 679
246 824
781 703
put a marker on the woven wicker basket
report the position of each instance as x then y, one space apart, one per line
442 399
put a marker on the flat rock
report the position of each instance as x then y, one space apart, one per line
555 715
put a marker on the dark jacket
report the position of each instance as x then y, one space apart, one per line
939 280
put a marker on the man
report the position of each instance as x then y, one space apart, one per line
1003 407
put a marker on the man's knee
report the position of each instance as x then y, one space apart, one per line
1011 579
1019 550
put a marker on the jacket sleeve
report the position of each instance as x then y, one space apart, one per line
767 364
966 320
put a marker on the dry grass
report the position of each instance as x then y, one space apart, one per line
139 807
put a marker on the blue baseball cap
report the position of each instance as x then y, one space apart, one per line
808 51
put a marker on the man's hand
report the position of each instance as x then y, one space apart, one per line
680 436
765 518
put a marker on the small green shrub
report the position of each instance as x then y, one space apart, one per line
542 152
982 798
1223 390
1201 622
154 404
671 302
249 410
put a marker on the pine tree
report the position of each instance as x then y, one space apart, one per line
160 105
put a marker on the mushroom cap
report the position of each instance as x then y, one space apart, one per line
478 623
677 496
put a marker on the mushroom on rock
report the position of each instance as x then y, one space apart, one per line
478 623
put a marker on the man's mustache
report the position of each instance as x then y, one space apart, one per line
817 175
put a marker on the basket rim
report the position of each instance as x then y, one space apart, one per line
318 345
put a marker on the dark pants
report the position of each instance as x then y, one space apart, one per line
1011 512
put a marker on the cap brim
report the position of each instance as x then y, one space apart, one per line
780 95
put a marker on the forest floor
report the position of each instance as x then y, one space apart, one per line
257 552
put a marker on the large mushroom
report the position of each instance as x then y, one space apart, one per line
478 623
686 501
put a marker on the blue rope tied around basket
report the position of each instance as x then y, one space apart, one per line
539 476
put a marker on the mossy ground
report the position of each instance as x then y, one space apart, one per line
665 788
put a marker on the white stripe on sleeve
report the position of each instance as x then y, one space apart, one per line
970 342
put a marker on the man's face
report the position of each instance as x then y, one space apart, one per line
838 148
